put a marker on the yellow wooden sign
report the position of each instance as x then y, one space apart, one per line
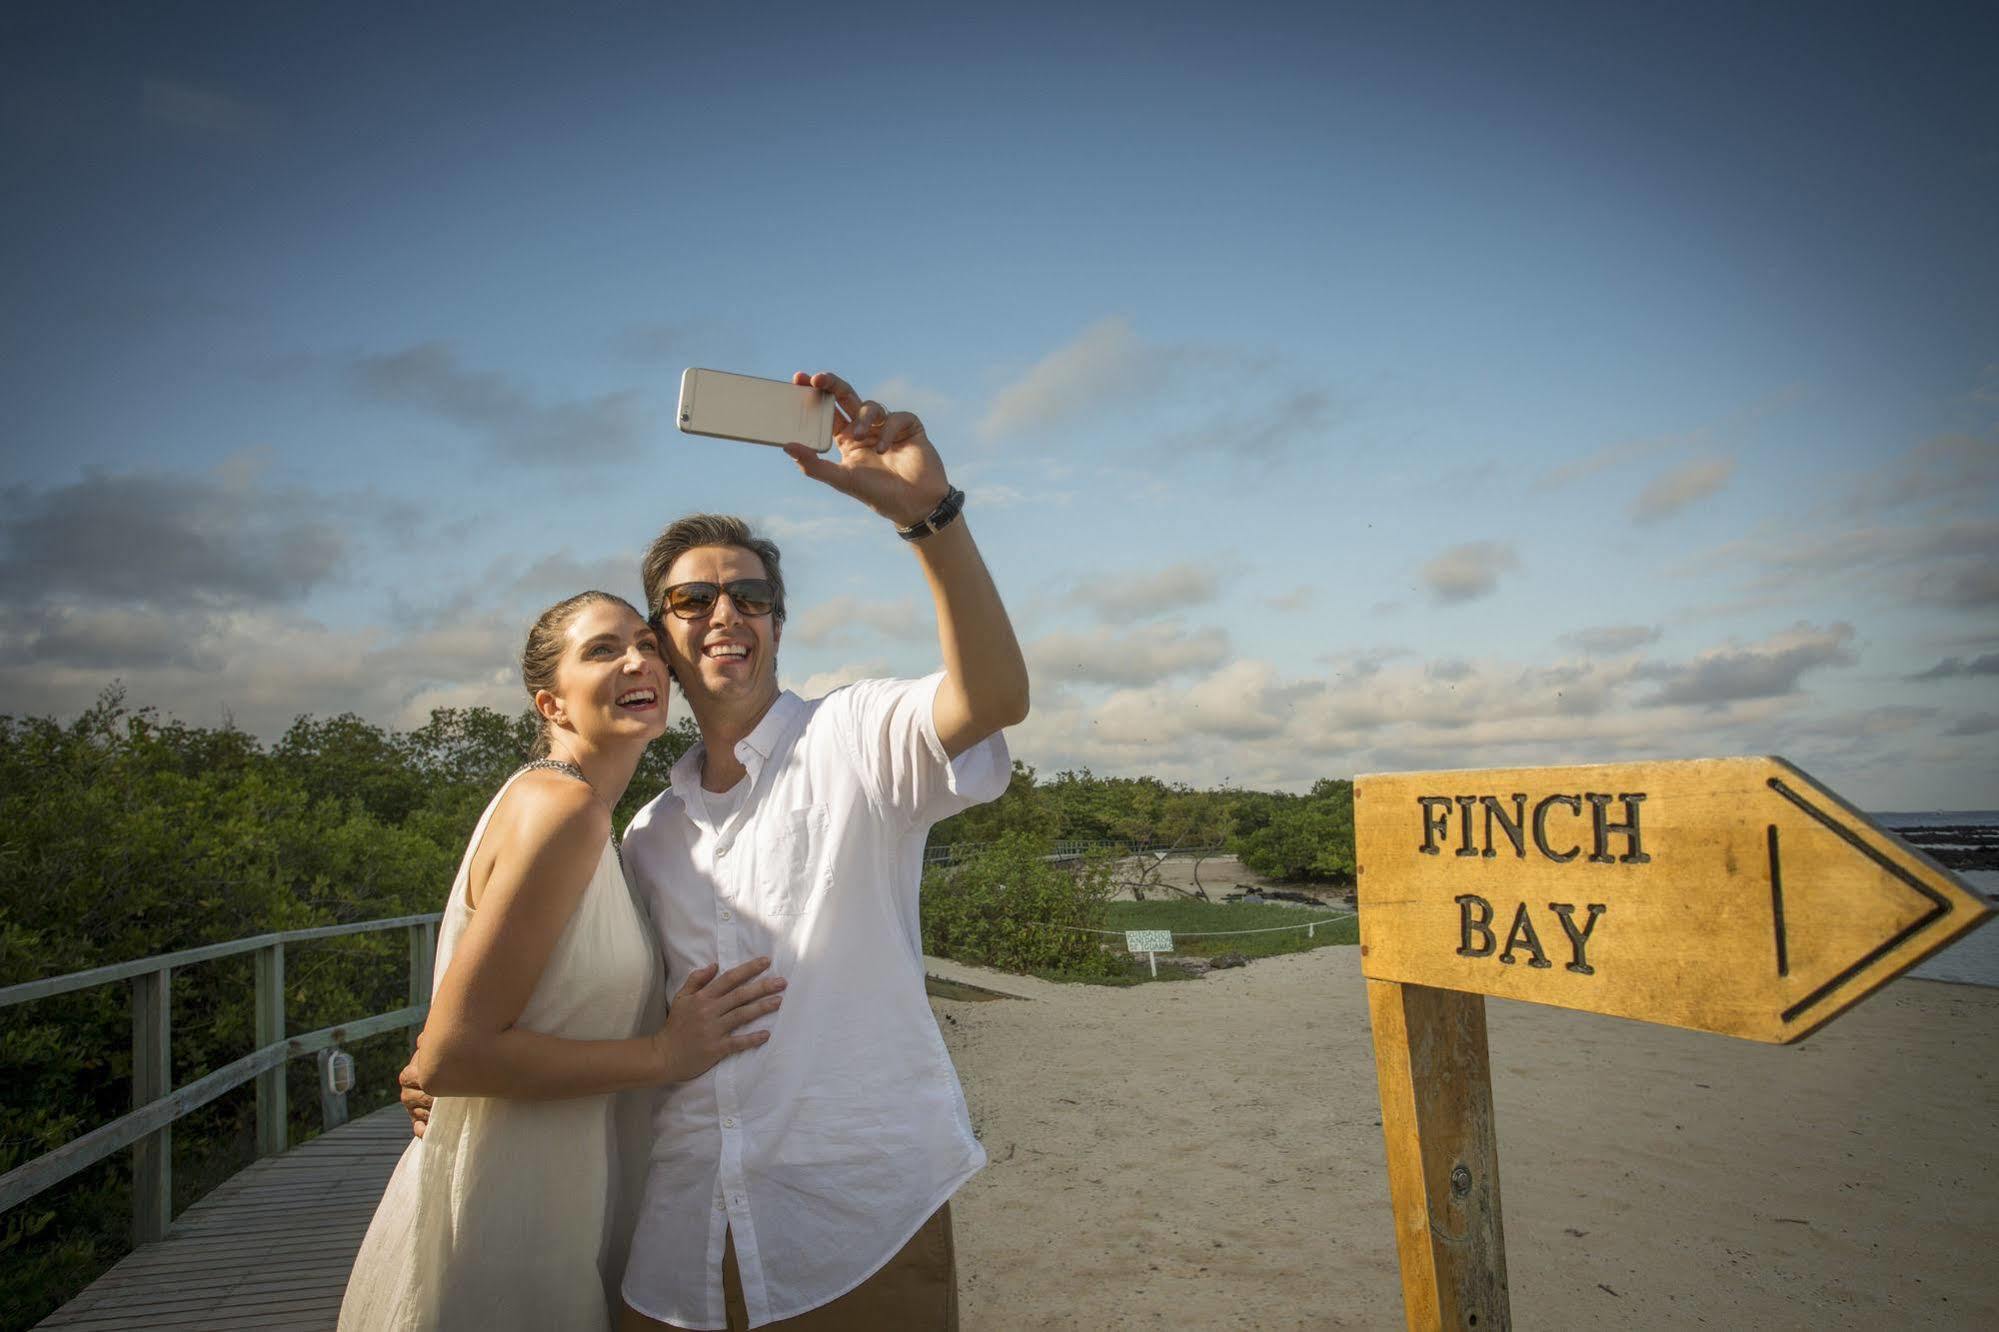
1727 895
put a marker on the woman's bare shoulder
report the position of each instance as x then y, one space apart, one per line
543 815
549 806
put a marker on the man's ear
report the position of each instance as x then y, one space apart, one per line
657 624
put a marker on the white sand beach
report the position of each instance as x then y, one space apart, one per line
1208 1154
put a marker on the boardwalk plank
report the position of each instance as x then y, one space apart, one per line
270 1248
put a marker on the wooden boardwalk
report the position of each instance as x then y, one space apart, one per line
270 1248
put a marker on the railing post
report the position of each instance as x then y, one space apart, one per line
271 1114
423 960
152 1078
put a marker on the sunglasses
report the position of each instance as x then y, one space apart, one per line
691 601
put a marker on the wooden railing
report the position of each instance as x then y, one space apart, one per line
157 1103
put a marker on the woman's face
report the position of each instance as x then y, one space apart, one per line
611 682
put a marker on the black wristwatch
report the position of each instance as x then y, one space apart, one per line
940 517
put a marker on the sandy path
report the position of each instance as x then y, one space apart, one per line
1208 1154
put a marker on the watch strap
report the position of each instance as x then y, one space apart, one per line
940 517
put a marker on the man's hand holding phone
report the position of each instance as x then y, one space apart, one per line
886 459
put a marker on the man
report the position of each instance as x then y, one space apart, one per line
806 1184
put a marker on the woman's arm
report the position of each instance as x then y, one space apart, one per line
549 850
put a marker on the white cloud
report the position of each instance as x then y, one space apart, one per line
1625 453
1243 700
262 667
1248 721
1470 571
1609 639
1978 723
1604 459
1673 491
216 539
1141 656
1246 700
825 682
1887 720
1260 433
848 619
507 415
1936 562
1948 472
1124 598
1951 668
1769 669
1103 363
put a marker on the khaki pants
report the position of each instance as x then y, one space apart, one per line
915 1291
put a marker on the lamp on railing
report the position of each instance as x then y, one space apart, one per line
336 1079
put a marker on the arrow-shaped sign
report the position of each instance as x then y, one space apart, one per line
1728 895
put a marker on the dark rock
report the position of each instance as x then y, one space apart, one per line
1223 960
1956 846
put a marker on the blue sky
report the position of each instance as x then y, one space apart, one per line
1337 389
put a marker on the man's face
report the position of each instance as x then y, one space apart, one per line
723 658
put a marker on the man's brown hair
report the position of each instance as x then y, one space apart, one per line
706 529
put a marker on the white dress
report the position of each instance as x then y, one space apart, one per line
518 1214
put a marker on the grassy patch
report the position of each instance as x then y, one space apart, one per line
1189 921
1204 929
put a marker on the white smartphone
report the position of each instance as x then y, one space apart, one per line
756 411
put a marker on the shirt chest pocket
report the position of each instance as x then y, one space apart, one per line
793 862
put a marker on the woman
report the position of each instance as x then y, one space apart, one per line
514 1210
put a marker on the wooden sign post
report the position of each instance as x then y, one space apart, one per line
1727 895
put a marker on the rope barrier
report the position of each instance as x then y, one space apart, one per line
1218 934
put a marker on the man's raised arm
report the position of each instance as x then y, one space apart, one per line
888 463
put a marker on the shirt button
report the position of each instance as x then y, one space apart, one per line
723 850
728 915
730 1122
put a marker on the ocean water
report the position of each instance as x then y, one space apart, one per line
1936 818
1974 959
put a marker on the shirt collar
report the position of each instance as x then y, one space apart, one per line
760 742
775 723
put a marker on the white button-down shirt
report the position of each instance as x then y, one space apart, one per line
826 1149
